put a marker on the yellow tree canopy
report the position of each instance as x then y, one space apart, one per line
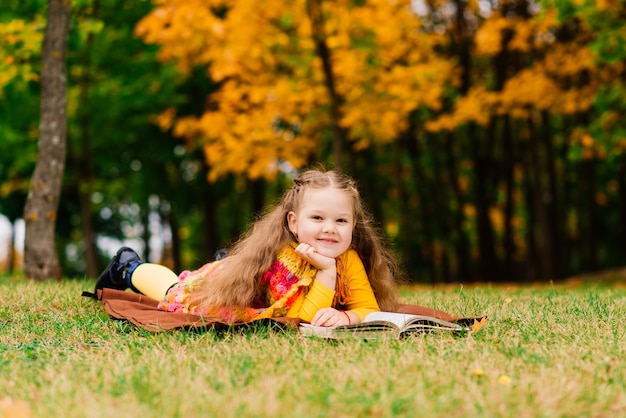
272 105
21 47
556 76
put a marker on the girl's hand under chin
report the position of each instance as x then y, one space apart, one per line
317 260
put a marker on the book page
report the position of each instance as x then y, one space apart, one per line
363 331
403 321
378 324
398 319
382 323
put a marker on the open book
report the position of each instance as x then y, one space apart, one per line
396 325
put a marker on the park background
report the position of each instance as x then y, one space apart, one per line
487 137
488 140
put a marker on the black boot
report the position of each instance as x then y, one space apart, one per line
220 254
114 276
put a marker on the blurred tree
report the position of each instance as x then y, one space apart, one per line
320 41
603 138
282 84
110 176
21 31
287 83
487 136
118 158
523 74
124 172
41 260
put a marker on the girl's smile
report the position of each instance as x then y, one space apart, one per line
324 220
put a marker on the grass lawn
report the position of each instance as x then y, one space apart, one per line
545 352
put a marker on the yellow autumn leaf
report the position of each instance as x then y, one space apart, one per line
489 36
478 372
479 323
165 119
504 380
15 408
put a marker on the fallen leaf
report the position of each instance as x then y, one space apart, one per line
10 408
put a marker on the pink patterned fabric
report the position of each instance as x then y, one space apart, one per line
288 276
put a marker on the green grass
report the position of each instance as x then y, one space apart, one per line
545 352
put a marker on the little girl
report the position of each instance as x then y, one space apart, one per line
316 256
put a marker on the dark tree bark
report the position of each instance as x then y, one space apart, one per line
405 215
314 10
544 244
461 243
427 206
589 209
486 241
257 195
621 181
531 242
365 168
41 260
554 215
84 161
443 221
172 255
210 239
463 40
508 166
410 235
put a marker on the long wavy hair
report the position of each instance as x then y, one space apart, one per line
238 282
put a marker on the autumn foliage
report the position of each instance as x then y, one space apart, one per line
488 136
273 104
520 77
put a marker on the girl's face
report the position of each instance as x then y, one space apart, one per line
324 220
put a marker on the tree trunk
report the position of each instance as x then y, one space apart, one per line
426 215
84 161
410 233
172 250
365 168
590 214
509 185
545 246
463 38
570 243
554 216
621 181
486 241
532 268
257 195
210 240
461 243
443 220
314 10
405 216
40 256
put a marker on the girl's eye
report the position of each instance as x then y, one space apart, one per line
317 218
342 220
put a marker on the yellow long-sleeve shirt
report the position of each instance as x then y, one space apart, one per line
362 300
